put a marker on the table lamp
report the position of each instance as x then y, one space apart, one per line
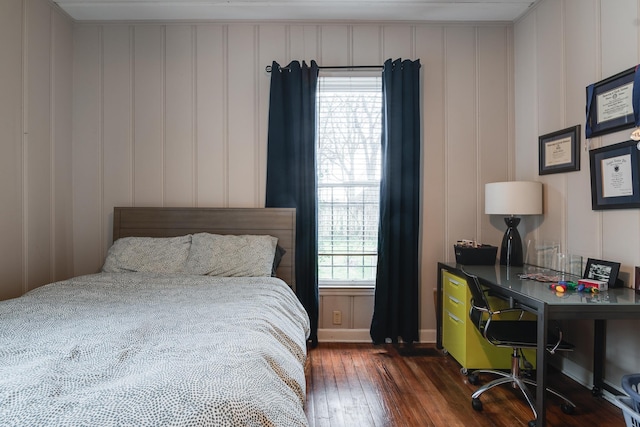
512 198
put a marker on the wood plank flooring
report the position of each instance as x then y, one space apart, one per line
360 385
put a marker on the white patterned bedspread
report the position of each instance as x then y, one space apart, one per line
137 349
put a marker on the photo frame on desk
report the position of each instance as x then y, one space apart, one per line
559 151
606 271
609 104
615 180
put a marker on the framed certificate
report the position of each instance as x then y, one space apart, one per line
614 176
609 104
559 151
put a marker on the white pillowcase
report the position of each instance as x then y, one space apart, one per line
148 254
231 256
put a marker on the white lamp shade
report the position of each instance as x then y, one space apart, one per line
513 198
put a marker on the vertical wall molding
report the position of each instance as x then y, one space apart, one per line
100 151
225 98
132 110
446 154
510 71
25 145
52 150
538 221
478 142
258 159
349 44
163 113
598 60
194 115
563 83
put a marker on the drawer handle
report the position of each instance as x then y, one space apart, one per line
454 318
455 282
453 300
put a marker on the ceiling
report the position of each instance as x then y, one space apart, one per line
316 10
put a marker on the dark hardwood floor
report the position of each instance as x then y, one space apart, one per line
365 385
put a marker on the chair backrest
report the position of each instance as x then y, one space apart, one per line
479 300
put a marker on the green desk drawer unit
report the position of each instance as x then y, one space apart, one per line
460 338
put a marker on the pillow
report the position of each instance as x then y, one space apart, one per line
148 254
231 256
280 251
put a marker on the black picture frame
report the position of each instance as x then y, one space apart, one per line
559 151
615 183
609 104
606 271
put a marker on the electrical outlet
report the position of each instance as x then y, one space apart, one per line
337 317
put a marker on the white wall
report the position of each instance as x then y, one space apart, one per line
176 114
35 145
561 46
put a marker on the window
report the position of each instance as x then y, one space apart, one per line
348 168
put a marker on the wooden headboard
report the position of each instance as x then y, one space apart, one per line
171 222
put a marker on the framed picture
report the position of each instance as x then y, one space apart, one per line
598 269
559 151
609 104
614 176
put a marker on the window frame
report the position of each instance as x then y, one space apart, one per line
347 283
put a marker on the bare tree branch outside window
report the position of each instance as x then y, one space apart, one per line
348 162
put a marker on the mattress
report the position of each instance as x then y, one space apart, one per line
144 349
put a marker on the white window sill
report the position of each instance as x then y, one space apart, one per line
337 290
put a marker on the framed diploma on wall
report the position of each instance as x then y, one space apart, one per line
559 151
609 104
614 176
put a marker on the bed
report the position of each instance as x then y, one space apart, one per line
154 339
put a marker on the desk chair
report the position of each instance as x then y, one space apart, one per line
516 334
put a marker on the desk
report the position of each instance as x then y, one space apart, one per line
617 303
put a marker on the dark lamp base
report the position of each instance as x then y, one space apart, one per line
511 252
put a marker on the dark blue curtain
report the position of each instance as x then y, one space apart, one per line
395 312
291 170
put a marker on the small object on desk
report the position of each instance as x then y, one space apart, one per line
539 277
474 253
467 243
599 285
569 285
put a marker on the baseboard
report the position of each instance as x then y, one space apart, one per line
584 377
574 371
428 336
362 335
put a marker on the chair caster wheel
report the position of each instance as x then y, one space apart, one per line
473 379
567 409
532 423
476 404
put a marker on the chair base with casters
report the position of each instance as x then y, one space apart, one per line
514 378
497 327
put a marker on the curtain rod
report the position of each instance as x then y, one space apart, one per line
336 67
